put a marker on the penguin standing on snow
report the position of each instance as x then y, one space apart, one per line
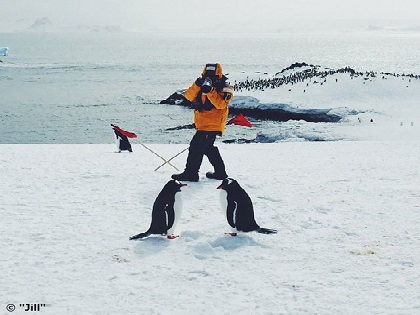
237 206
166 211
122 138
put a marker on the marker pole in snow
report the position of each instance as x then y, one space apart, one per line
166 161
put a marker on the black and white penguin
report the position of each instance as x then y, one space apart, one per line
238 208
121 135
122 142
166 212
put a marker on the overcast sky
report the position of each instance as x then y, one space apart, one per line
197 15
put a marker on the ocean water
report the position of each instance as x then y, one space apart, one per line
68 88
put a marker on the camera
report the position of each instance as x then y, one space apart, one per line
207 85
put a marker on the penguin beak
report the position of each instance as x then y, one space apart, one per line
220 186
182 185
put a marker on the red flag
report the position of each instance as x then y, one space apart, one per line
126 133
240 120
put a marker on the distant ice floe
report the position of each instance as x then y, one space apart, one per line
4 51
251 107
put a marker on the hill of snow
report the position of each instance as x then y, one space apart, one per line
44 25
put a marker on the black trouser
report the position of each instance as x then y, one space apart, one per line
203 144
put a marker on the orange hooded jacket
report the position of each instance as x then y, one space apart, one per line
214 119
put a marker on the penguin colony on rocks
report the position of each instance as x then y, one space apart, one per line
307 74
235 203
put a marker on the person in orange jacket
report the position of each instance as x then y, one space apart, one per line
209 95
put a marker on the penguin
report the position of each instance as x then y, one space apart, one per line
122 138
238 208
166 211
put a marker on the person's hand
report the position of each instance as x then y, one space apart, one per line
199 81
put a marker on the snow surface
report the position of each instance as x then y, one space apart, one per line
347 215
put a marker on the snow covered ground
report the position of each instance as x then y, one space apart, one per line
347 215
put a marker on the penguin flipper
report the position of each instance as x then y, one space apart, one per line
141 235
266 231
232 206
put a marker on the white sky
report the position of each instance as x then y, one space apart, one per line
196 15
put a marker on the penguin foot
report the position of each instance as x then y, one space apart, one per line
172 236
266 231
231 234
141 235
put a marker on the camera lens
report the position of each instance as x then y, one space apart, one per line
207 85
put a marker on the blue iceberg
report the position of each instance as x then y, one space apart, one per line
4 51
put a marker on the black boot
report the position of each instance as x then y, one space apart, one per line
194 159
186 177
219 166
215 175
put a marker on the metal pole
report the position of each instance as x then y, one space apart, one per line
159 157
171 159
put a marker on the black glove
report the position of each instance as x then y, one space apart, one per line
197 105
199 81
